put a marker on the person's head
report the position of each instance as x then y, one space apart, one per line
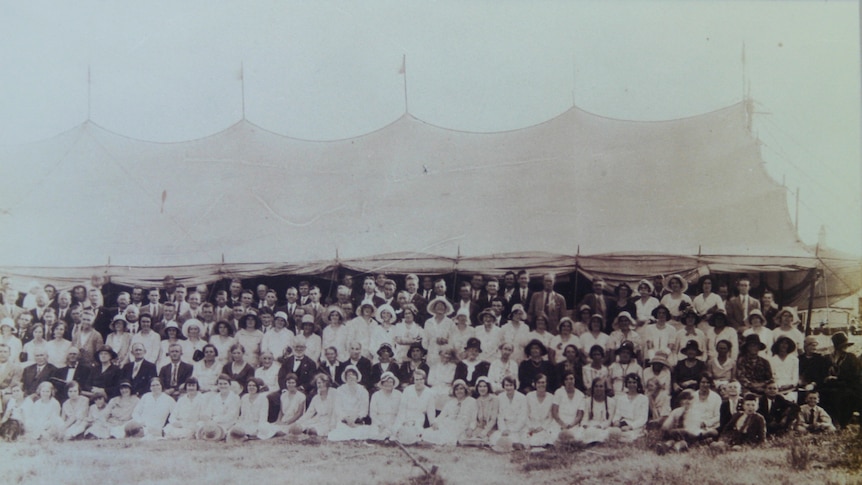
749 403
59 330
509 279
705 382
783 346
535 349
565 326
483 386
477 281
548 282
237 353
598 285
569 381
427 283
79 294
249 321
291 380
459 389
307 325
571 353
347 280
440 287
194 300
299 348
626 352
771 389
64 299
419 379
125 388
509 385
223 383
384 353
50 291
810 345
155 386
72 356
597 323
292 295
743 285
170 311
706 285
523 279
355 349
153 295
331 354
812 399
38 332
733 388
645 288
624 321
541 322
45 390
40 356
380 280
402 298
210 353
175 352
465 292
786 318
723 347
473 348
497 306
172 332
633 383
448 355
599 389
653 386
254 385
261 290
246 298
95 296
389 288
506 350
597 353
314 294
767 300
106 354
369 285
138 351
492 286
192 385
623 291
686 398
755 319
235 288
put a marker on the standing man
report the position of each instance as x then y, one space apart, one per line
739 307
549 302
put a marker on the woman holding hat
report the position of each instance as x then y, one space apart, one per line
7 336
416 361
385 332
120 340
688 371
558 343
220 411
752 370
757 326
842 389
120 410
785 367
534 366
253 410
677 286
470 369
186 415
595 337
250 337
517 332
222 340
645 303
385 363
193 330
151 413
105 375
351 408
437 327
383 410
504 366
457 418
407 332
622 302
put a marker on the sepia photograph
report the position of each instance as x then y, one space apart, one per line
441 242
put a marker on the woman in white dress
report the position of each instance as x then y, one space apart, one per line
38 344
646 303
599 413
594 337
42 417
151 413
184 419
384 333
785 367
442 374
416 406
220 411
222 341
632 410
458 416
542 430
677 286
559 342
407 332
384 407
351 408
193 330
512 416
7 336
292 407
250 337
706 303
517 332
253 410
319 418
461 332
120 340
568 407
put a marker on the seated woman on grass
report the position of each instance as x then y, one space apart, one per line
351 408
383 409
253 411
74 412
599 412
632 410
292 408
568 408
12 424
42 417
319 419
151 413
487 410
184 419
542 430
457 418
220 411
512 416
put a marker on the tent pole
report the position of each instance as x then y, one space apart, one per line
577 277
811 295
455 277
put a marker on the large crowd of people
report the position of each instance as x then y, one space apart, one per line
502 365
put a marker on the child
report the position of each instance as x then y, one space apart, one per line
12 424
659 403
746 427
97 419
813 418
681 426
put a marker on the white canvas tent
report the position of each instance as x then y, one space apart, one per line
614 197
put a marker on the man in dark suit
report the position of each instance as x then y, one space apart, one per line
73 371
331 366
139 371
153 307
522 294
298 364
427 291
175 373
37 373
290 308
76 316
466 302
739 307
598 302
509 287
368 294
549 302
778 412
411 284
64 306
38 313
362 363
492 292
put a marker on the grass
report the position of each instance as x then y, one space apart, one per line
826 459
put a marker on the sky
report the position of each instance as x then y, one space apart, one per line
171 71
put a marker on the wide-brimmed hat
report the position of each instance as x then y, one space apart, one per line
431 304
484 312
533 343
682 282
385 346
811 339
486 381
517 307
334 309
125 383
118 318
8 322
174 326
192 322
784 338
108 349
755 313
621 286
473 343
584 308
627 345
597 348
660 307
840 340
753 338
389 375
236 435
384 308
660 357
624 314
363 305
691 345
649 285
416 345
787 309
210 432
307 318
281 315
353 368
718 313
689 312
463 311
459 382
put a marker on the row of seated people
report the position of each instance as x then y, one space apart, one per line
505 419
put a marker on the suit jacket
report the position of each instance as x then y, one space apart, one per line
184 371
726 414
753 432
67 317
592 300
334 372
305 372
225 314
156 311
516 299
81 376
141 382
554 312
481 369
109 380
735 312
473 309
485 300
187 315
102 322
36 317
31 379
781 416
364 366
